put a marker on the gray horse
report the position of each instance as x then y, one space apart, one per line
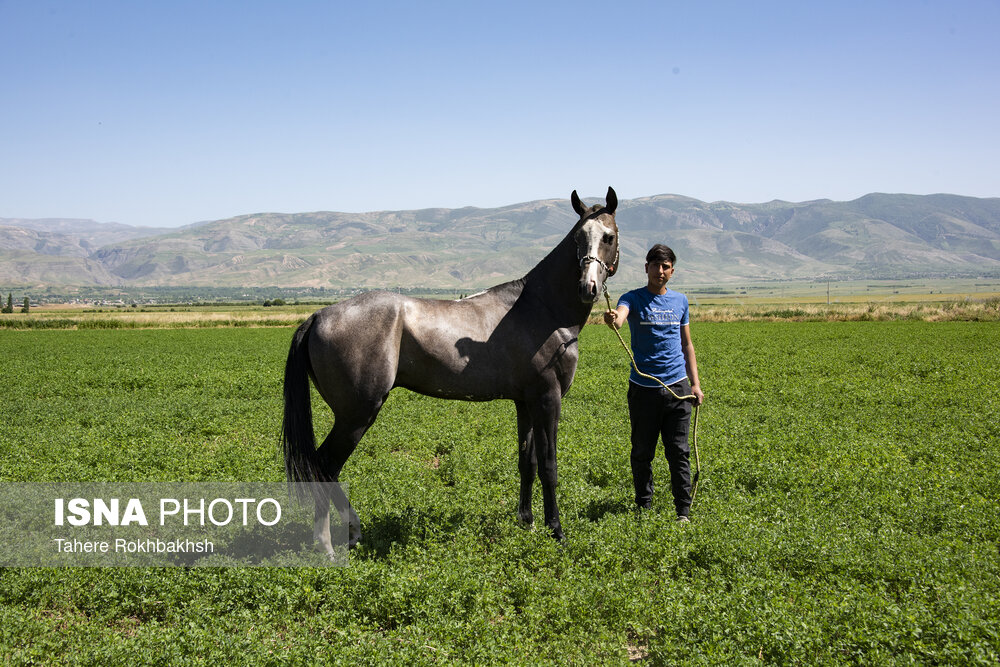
515 341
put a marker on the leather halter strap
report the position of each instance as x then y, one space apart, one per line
609 268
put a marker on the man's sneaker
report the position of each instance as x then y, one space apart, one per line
681 518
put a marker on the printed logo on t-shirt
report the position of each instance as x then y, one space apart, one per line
660 317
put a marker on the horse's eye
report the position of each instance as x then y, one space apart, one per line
608 239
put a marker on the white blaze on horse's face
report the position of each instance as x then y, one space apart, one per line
594 242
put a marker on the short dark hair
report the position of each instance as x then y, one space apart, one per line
661 253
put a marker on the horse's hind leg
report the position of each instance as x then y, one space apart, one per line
338 446
348 517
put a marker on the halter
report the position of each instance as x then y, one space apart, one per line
591 258
608 268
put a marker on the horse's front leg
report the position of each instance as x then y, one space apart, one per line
545 423
526 464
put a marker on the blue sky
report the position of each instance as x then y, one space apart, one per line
167 113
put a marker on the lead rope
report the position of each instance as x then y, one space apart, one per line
694 425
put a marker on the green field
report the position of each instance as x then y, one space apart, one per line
848 512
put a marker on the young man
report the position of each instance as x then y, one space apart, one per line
661 344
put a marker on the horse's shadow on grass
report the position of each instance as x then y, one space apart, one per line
597 509
399 527
251 547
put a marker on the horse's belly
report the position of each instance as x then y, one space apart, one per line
448 381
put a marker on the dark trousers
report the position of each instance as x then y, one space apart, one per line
656 414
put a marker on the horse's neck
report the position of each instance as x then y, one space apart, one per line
555 282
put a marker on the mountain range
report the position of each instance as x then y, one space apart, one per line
878 235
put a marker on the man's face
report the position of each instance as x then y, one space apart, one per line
659 273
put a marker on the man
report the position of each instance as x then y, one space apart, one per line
661 344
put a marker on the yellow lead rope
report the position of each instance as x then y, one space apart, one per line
694 425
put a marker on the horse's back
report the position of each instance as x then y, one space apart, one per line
386 316
378 340
481 348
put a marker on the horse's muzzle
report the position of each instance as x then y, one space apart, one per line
594 274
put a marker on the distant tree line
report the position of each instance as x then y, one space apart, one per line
250 295
9 307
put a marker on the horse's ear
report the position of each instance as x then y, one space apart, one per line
612 200
578 206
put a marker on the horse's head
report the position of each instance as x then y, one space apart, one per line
596 244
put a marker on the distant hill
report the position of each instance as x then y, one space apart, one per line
59 251
86 233
878 235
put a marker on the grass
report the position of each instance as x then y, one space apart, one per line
847 514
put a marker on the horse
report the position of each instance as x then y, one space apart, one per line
515 341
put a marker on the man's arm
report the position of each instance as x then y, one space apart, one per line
616 318
691 363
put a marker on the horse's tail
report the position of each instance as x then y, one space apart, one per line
297 437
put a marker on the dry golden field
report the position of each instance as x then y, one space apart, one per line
926 300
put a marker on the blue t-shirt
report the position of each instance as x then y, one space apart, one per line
655 322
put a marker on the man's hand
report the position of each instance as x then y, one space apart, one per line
699 397
610 318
